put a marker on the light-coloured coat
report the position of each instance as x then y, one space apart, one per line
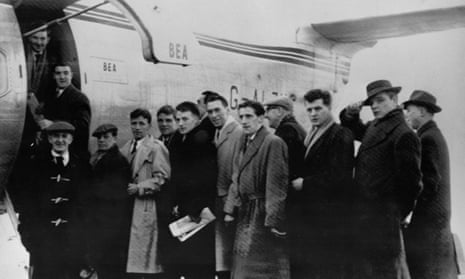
150 167
261 189
227 146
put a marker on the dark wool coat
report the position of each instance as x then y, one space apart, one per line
194 172
321 231
387 177
72 106
109 212
52 226
429 241
261 190
293 135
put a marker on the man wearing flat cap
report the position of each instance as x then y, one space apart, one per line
110 208
52 224
387 178
428 238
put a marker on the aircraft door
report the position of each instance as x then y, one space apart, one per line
13 86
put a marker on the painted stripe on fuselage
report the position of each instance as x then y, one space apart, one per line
297 56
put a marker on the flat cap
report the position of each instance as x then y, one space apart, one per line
283 102
104 128
60 126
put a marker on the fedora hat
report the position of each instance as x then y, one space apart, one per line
379 86
424 99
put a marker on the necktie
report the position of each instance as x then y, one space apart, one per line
134 147
59 161
217 135
36 60
247 142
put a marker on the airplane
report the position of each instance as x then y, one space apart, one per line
146 53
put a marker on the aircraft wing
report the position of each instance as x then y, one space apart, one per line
382 27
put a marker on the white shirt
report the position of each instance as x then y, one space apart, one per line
64 155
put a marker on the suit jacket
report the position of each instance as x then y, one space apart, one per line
150 161
387 176
39 74
72 106
429 242
293 135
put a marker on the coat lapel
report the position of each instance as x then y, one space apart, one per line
142 154
253 147
225 134
316 145
379 131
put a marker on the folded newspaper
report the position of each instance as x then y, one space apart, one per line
184 228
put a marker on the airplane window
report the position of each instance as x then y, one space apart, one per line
3 74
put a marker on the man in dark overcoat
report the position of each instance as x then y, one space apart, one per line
71 105
193 163
166 120
110 208
321 233
279 113
257 200
428 237
52 226
388 180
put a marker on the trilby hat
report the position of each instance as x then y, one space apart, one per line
379 86
424 99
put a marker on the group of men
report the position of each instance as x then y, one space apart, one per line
288 204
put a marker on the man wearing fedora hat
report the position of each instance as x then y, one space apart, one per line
387 176
428 238
52 227
110 207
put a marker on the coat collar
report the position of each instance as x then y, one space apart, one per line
253 147
226 131
380 129
427 126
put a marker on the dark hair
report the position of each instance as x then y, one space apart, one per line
213 98
256 106
188 106
316 94
206 94
62 64
166 109
141 112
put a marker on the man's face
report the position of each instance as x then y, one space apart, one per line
140 127
60 141
105 141
318 112
186 121
166 124
382 104
413 116
39 41
217 113
273 114
249 120
63 76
